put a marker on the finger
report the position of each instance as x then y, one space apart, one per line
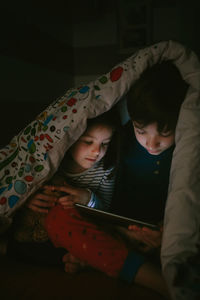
44 197
65 257
137 236
153 242
67 184
133 235
67 189
146 229
140 236
65 200
145 248
52 187
150 231
154 236
38 209
134 227
41 203
68 257
71 268
68 204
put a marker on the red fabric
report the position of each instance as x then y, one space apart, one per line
67 229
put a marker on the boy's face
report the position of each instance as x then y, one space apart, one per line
153 141
90 147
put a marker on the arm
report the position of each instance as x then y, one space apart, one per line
104 193
68 195
57 190
96 189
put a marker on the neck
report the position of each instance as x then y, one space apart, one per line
71 166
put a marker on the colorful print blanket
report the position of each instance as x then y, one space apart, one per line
33 156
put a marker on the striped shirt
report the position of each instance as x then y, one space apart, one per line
99 181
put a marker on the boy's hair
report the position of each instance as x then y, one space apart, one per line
111 119
157 96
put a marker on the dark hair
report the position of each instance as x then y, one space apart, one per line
157 96
110 118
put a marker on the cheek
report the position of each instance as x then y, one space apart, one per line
77 151
140 138
169 142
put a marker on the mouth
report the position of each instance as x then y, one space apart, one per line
153 152
91 159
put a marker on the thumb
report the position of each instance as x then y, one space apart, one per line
66 189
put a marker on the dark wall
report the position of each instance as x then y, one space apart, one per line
179 20
36 64
38 58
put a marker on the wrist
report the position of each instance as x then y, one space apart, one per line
89 196
91 202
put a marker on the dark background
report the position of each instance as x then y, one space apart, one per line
47 47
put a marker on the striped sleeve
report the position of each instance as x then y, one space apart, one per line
102 186
99 181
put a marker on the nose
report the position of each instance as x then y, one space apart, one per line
96 149
152 143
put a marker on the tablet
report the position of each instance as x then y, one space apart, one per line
111 218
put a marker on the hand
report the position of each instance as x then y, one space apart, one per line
149 239
42 201
72 264
71 195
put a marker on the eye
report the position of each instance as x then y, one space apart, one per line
105 144
166 134
87 142
139 131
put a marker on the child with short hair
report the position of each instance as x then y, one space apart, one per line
153 104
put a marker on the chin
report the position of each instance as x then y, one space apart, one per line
155 152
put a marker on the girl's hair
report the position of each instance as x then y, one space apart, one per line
111 119
157 96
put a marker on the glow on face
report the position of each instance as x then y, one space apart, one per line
90 147
153 141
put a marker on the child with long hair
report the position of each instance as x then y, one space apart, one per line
86 175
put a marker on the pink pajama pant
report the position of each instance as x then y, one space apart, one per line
83 239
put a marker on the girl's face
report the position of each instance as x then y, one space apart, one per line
90 147
153 141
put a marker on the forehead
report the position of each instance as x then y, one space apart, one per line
153 126
99 129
